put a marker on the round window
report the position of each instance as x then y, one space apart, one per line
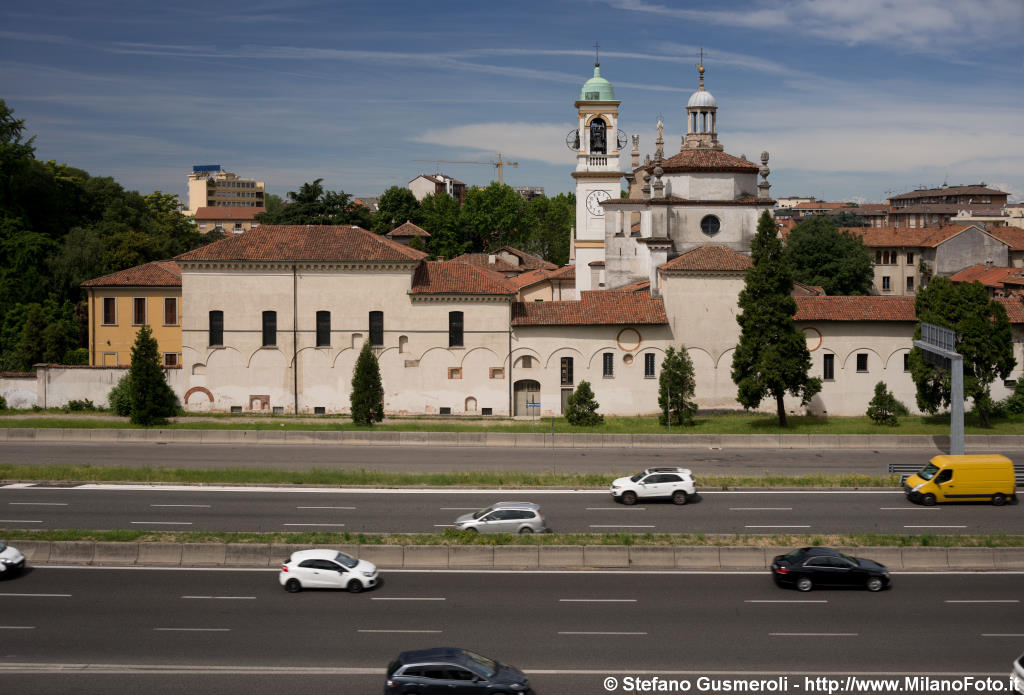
710 225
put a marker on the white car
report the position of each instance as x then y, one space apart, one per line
674 484
10 560
327 569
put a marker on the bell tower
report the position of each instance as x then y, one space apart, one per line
701 118
596 142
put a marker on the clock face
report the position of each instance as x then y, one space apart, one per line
594 201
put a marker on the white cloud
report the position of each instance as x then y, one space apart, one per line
543 142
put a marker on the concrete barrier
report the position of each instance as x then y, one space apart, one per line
520 557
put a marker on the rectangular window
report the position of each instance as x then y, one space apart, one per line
216 328
454 372
138 311
171 359
269 329
829 368
319 410
323 329
109 311
609 364
910 258
567 378
906 361
862 361
878 258
497 372
377 328
910 283
649 366
454 329
885 283
170 311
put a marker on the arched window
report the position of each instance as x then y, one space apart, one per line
710 225
598 141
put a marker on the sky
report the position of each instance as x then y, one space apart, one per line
854 100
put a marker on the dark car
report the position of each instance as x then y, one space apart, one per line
451 670
806 568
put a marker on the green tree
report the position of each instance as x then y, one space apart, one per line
15 155
581 410
884 408
120 397
440 216
547 225
983 338
848 218
396 206
312 204
835 260
771 358
29 350
152 400
676 387
367 397
492 217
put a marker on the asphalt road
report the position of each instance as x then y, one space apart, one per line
410 459
252 509
234 631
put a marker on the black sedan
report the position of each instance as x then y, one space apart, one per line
806 568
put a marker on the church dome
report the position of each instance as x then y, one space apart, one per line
597 88
701 98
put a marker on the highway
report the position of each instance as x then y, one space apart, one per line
107 630
277 509
433 459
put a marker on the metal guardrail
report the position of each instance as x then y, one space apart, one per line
905 470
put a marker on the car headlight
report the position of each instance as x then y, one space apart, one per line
6 561
369 574
616 487
918 487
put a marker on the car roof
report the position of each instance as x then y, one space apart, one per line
668 469
453 654
314 554
515 505
819 550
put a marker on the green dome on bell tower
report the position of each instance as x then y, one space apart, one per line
597 88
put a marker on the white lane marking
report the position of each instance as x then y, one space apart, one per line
602 633
226 598
619 526
165 523
405 632
444 525
635 509
312 524
325 507
1006 634
40 504
812 634
982 600
40 595
407 598
597 600
779 600
200 506
776 526
192 629
935 527
17 627
760 509
19 485
20 521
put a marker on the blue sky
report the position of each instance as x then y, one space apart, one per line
853 99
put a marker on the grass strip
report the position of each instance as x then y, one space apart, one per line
327 477
726 423
450 537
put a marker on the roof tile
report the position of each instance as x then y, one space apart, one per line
452 277
305 243
155 274
593 308
710 257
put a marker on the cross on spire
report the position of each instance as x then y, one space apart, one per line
597 61
700 67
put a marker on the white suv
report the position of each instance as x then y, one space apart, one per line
676 484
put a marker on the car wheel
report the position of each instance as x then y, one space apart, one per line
629 498
804 584
355 586
874 584
680 497
998 499
293 586
928 500
525 529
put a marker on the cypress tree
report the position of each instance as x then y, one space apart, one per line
771 358
367 397
676 387
152 400
581 410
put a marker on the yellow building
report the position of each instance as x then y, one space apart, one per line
121 302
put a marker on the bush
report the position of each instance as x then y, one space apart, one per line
582 408
120 397
77 406
1014 403
77 356
3 403
884 409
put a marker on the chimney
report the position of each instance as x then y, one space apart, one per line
491 258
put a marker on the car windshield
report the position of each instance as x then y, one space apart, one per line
489 666
638 476
929 471
347 560
486 510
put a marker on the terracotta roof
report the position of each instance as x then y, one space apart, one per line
1011 236
949 190
905 236
695 160
855 309
1014 308
305 243
639 286
986 275
709 257
450 277
527 261
566 272
824 206
593 308
155 274
406 230
802 290
530 277
228 212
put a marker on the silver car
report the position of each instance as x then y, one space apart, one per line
504 517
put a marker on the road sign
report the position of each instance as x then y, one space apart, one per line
531 404
943 338
939 347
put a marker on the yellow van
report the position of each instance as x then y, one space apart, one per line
963 478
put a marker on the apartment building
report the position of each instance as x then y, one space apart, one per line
210 186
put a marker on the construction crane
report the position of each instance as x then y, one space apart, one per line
496 164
